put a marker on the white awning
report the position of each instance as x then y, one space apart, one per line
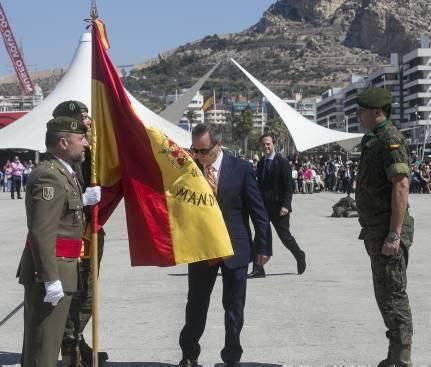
305 133
28 132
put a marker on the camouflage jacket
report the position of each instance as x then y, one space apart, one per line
384 154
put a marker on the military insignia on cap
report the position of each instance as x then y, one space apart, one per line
48 192
73 125
72 106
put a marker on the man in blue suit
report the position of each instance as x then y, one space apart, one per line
234 183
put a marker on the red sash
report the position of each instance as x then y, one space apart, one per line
65 247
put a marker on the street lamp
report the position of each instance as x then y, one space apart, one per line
426 133
384 80
416 129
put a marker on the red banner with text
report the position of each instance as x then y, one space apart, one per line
15 54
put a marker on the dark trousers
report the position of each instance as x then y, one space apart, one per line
16 186
201 280
282 227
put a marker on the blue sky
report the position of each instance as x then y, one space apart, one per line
49 30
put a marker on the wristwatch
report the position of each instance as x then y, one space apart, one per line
392 236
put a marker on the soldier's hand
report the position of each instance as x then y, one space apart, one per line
391 248
91 195
262 259
54 292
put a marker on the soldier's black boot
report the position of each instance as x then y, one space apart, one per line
257 272
70 356
87 355
399 355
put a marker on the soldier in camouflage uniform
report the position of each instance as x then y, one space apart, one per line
387 227
48 266
75 351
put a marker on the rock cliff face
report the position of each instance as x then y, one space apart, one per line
381 26
306 44
300 44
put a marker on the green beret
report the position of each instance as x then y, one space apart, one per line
70 108
82 106
375 98
67 125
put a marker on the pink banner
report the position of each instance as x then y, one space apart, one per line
15 54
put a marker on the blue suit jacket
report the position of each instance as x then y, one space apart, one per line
239 199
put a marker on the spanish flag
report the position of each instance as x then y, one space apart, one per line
172 214
208 104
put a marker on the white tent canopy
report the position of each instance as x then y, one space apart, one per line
305 134
28 132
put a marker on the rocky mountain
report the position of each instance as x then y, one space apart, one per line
297 44
307 44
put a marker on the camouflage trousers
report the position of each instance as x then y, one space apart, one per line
390 284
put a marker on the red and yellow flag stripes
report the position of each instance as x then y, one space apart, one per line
172 214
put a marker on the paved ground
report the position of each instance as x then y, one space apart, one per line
327 316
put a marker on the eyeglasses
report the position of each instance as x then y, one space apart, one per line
203 151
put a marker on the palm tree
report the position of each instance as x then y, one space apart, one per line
242 125
278 130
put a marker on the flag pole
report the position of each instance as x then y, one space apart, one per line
95 280
94 233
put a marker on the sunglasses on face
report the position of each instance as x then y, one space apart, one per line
203 151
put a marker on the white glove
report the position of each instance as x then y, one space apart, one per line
91 195
54 292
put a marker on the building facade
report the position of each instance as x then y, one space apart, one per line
408 77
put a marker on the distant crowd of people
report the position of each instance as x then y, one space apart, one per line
14 175
314 174
420 175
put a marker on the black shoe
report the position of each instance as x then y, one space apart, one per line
12 198
87 355
231 364
257 273
300 263
19 197
187 363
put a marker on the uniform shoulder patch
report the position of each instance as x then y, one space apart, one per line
48 192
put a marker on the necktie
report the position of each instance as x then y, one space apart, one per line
266 169
74 177
211 178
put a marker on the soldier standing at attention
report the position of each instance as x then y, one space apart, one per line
48 268
74 350
387 227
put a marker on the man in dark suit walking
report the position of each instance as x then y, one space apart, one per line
274 177
234 183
